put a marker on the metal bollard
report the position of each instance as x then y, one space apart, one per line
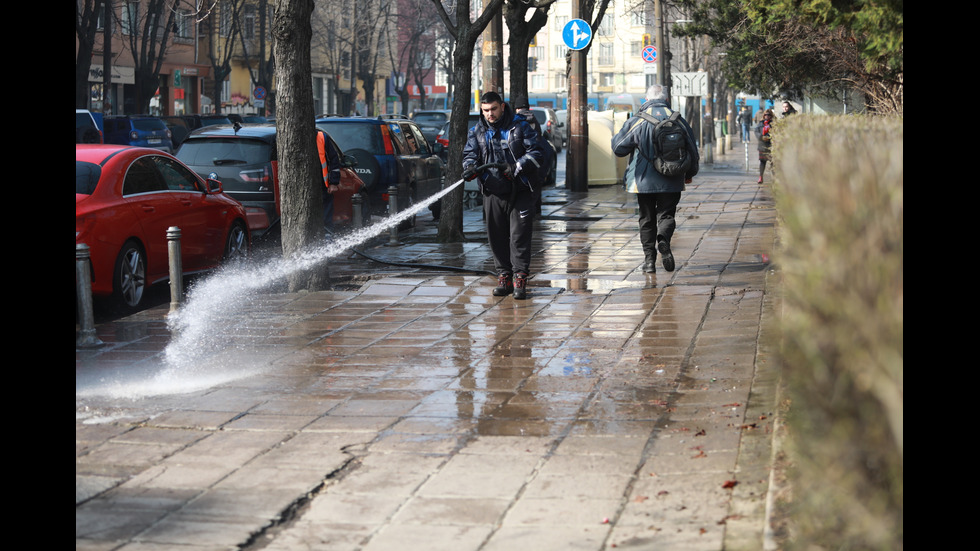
176 268
86 316
358 218
393 211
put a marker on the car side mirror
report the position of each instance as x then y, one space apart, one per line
213 186
438 148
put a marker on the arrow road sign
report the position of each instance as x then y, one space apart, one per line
576 34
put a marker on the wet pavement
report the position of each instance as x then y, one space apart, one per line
410 409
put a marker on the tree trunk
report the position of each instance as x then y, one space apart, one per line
451 217
300 176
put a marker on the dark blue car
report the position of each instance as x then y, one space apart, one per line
390 152
138 130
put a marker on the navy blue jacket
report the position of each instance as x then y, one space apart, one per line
512 140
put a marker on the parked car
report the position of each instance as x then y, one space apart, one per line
86 127
562 115
389 152
182 125
138 131
553 130
244 158
125 200
431 122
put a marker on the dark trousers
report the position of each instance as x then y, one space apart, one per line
657 212
509 225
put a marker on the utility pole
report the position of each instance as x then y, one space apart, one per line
493 54
577 159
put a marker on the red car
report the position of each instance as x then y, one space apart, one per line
125 200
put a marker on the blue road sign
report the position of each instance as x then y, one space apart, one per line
650 54
576 34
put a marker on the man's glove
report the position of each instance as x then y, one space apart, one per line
469 173
517 169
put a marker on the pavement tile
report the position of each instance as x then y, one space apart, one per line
611 409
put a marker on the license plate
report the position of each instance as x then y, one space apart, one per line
154 141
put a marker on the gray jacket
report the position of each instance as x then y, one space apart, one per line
641 176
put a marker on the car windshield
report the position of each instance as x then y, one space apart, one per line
224 151
430 119
82 119
540 115
86 177
214 119
350 136
149 124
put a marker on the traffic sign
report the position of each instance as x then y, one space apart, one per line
650 54
689 84
576 34
259 92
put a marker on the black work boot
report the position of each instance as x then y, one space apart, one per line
505 286
520 286
650 264
666 256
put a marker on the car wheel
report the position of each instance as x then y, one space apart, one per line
236 246
129 276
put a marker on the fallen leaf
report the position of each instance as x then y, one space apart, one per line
729 484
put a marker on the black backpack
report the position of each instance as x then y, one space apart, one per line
671 157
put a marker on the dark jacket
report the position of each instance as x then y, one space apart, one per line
512 140
641 176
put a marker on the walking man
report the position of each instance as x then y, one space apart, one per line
664 158
510 192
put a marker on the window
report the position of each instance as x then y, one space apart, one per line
638 17
561 51
606 54
539 82
130 17
636 48
142 177
185 24
608 26
248 23
224 20
176 177
561 81
560 22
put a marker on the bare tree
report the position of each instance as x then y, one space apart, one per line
456 18
416 49
522 30
300 176
87 14
147 28
222 31
259 60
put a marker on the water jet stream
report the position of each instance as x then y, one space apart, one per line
219 297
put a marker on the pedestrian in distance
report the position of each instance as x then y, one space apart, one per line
663 158
510 189
763 131
788 109
745 121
